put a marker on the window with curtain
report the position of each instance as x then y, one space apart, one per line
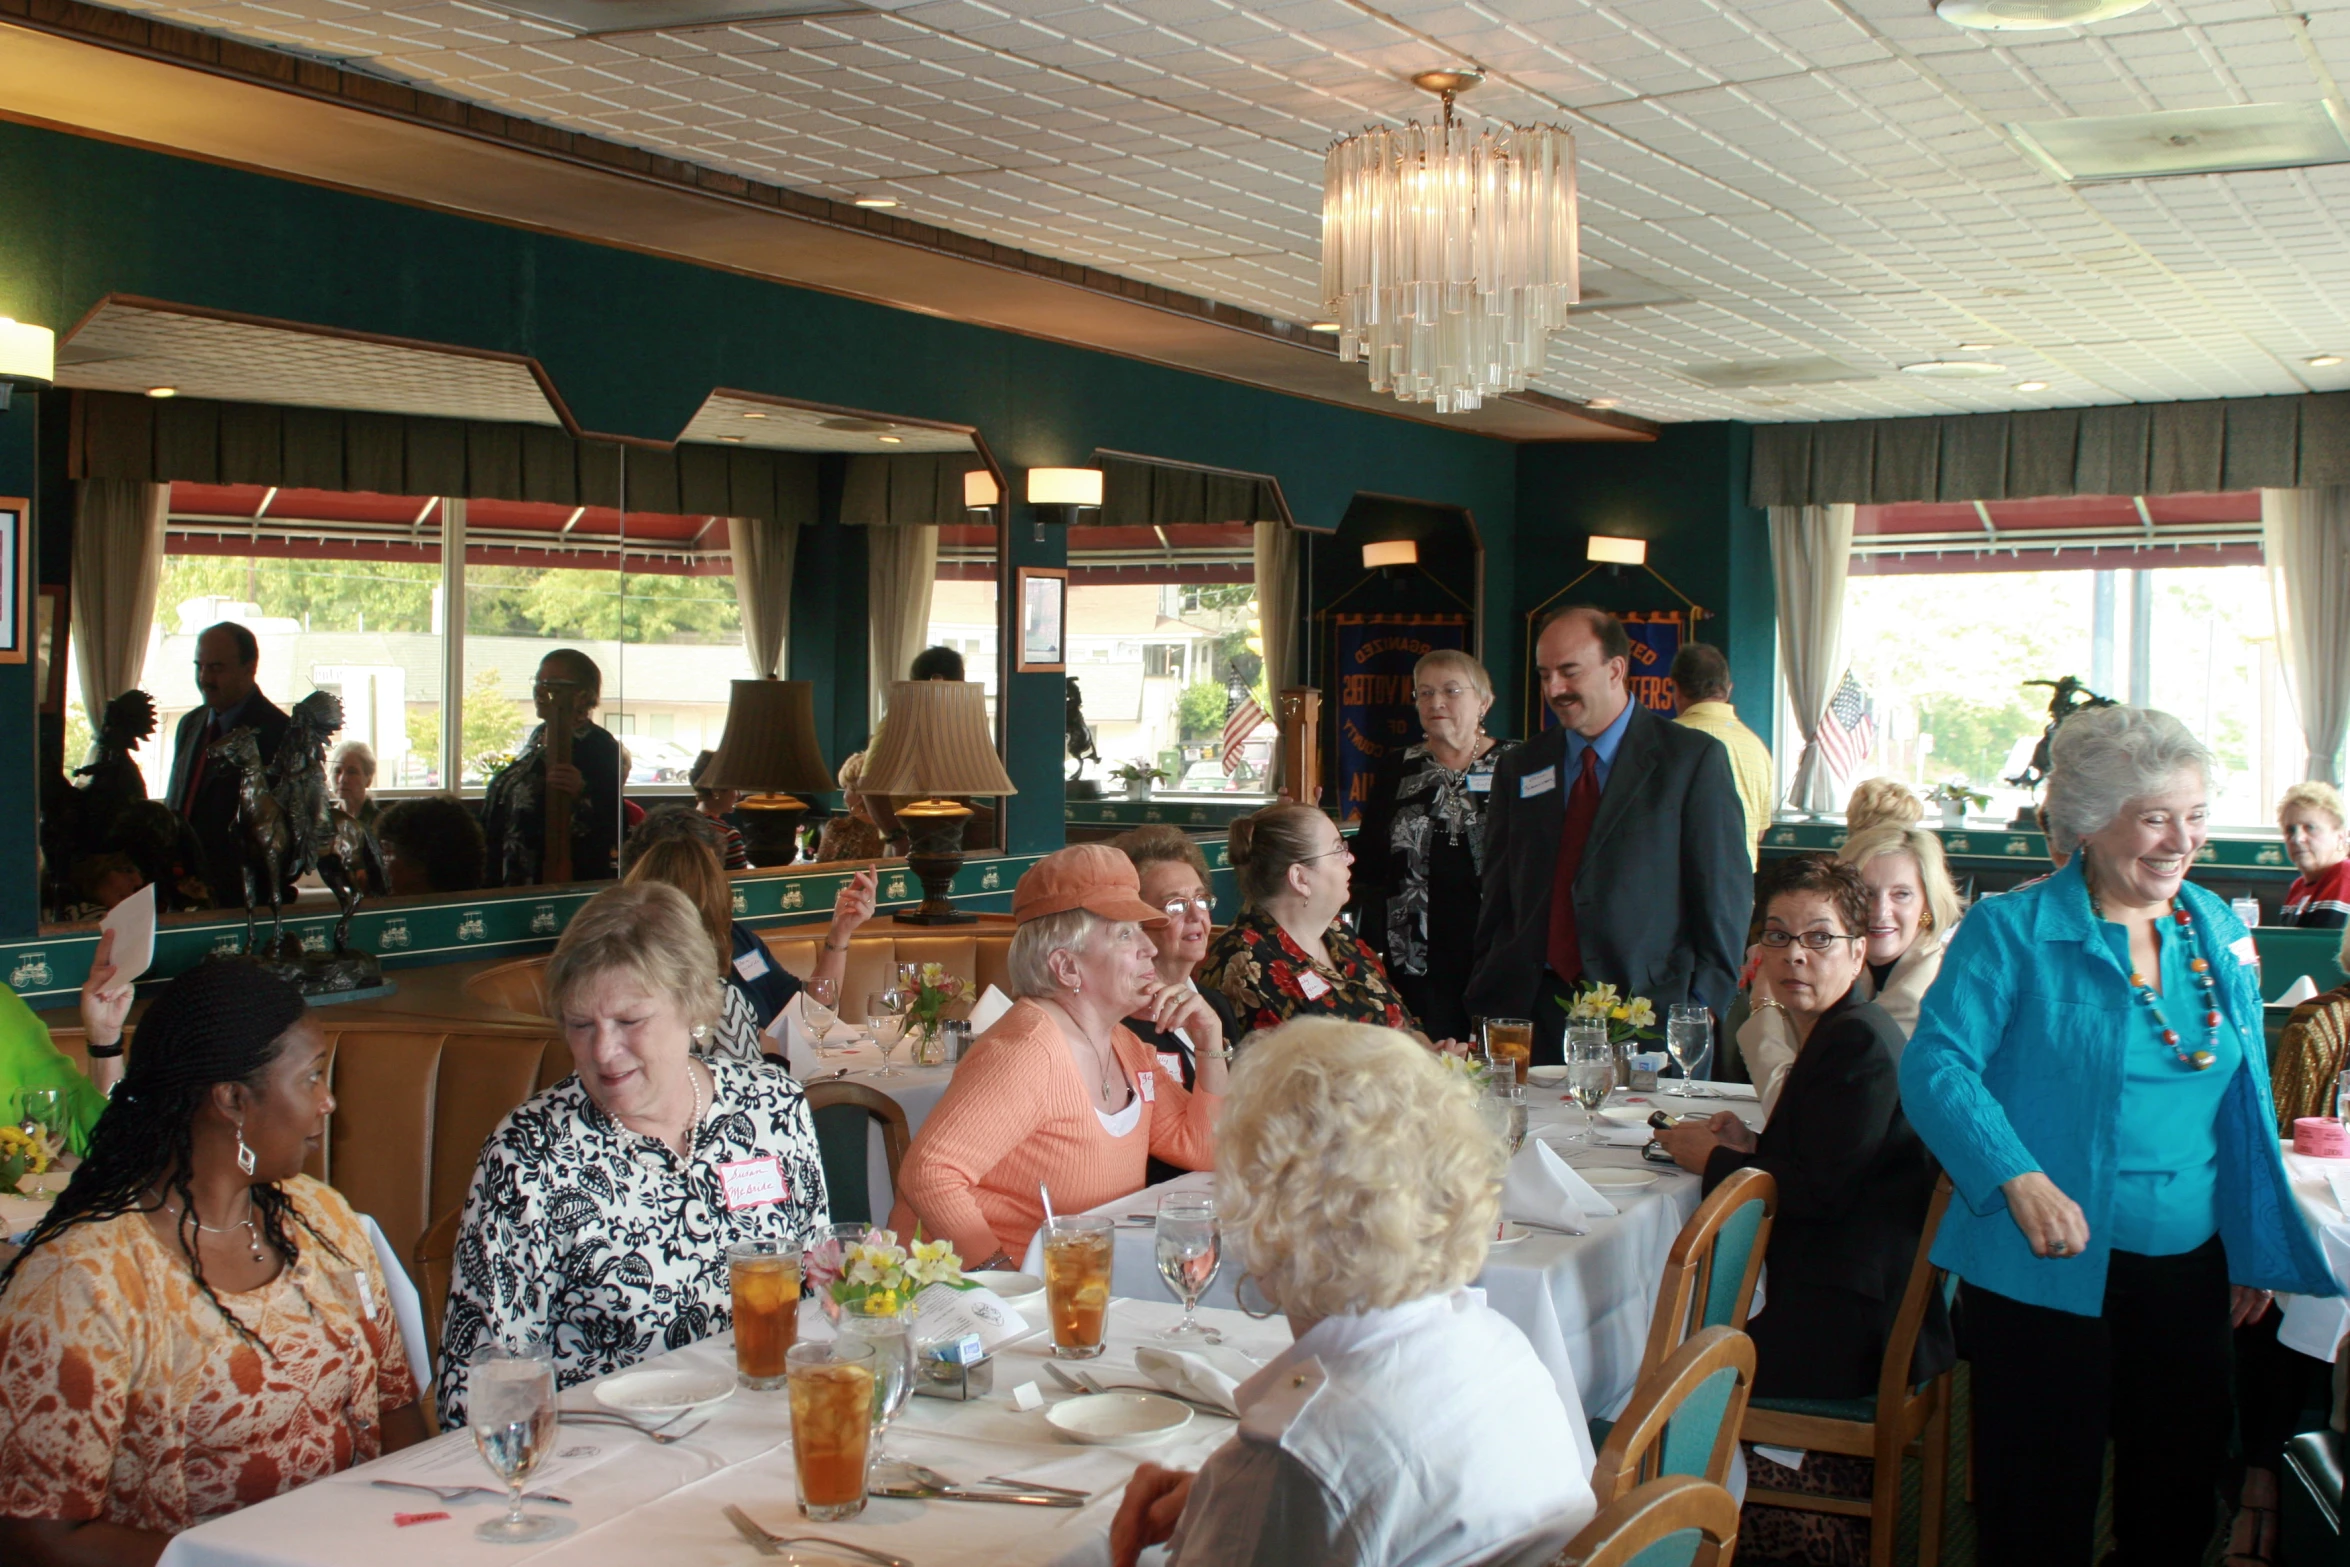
963 603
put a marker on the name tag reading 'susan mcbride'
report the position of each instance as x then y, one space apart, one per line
753 1183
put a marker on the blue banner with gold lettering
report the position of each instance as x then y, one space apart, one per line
1656 638
1376 718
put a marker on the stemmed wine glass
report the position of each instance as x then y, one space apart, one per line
885 1014
1591 1075
886 1323
1190 1249
510 1404
1689 1032
820 1008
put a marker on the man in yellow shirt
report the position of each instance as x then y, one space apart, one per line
1701 688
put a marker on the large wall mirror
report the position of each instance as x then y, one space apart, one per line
418 533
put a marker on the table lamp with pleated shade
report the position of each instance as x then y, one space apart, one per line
934 744
769 752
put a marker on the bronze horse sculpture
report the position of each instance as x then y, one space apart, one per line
286 826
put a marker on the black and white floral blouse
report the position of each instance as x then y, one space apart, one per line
604 1244
1419 812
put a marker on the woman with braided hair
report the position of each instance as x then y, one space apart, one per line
196 1326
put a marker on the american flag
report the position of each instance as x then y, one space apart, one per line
1242 717
1849 732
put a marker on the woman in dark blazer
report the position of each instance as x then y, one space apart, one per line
1854 1179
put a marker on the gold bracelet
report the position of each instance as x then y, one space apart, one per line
1768 1002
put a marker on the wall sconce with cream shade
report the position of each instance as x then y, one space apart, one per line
1607 551
1059 494
769 752
980 491
1391 552
934 744
28 357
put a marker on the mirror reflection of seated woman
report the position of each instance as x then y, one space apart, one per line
514 807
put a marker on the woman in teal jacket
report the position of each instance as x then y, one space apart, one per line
2090 1069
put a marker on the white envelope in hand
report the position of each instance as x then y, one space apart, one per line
1212 1374
991 1005
133 923
1541 1189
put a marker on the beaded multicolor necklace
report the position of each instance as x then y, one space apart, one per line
2200 1060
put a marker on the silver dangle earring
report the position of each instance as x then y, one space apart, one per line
244 1154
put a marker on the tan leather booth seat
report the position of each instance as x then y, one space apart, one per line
413 1105
973 952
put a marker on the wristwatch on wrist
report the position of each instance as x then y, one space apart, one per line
98 1052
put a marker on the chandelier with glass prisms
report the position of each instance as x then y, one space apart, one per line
1449 257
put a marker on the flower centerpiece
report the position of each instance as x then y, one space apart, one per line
925 991
1627 1017
882 1273
22 1153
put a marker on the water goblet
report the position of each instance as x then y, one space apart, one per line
820 1007
886 1322
1189 1249
1591 1075
510 1405
885 1015
1689 1030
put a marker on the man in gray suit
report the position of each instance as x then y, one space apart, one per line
1615 848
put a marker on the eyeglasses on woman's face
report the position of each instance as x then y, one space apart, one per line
1809 940
1178 908
1451 693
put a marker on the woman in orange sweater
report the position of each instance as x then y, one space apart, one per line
1059 1091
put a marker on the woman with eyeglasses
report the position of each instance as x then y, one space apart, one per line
1854 1179
1420 857
1174 876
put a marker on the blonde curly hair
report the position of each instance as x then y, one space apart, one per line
1353 1170
647 930
1876 801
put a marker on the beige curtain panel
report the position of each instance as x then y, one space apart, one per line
1811 553
2239 443
901 567
763 549
117 570
2305 539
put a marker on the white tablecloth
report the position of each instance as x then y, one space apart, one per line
651 1504
2314 1324
1583 1301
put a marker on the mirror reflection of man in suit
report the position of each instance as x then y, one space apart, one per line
1615 848
228 669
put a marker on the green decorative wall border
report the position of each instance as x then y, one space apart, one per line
1142 813
2006 846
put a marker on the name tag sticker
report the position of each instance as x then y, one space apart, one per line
753 1183
1313 984
1480 783
1148 1082
366 1291
1538 783
1171 1064
751 965
2244 950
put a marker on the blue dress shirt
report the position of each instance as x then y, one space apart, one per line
1605 743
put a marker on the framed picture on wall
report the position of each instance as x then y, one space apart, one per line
49 648
1044 621
16 630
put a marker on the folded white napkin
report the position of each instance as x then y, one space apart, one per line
1724 1090
991 1005
1211 1374
2296 993
1542 1189
2338 1182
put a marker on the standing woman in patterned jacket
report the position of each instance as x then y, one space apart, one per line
600 1213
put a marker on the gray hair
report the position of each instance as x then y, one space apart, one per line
360 750
1037 940
1460 663
2101 759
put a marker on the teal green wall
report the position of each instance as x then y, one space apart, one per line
633 344
1685 493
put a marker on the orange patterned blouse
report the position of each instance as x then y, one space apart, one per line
124 1396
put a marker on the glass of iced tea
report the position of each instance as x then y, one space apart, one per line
766 1280
831 1425
1077 1283
1510 1039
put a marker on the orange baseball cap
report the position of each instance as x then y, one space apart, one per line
1089 876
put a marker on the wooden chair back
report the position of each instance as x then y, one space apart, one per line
1684 1420
844 1157
1680 1521
433 1264
1710 1272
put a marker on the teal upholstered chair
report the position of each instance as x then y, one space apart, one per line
844 1113
1710 1272
1683 1420
1899 1420
1679 1521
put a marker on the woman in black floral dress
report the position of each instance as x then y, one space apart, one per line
600 1212
1420 857
1286 955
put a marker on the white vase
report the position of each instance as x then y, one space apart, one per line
1954 813
1140 789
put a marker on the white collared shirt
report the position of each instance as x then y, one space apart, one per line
1422 1435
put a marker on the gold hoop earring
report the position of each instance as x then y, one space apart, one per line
1240 1299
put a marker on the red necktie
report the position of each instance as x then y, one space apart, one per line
196 768
1566 948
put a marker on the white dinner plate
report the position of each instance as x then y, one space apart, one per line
1546 1076
1510 1235
1608 1180
662 1391
1118 1419
1625 1118
1013 1289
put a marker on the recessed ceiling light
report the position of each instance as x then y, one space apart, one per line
752 413
1976 348
1599 402
1322 326
2323 361
875 203
1955 369
734 438
2004 16
891 440
163 391
2031 386
2169 143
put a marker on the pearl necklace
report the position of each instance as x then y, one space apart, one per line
2201 1060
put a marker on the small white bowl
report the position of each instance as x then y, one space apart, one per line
1012 1289
663 1391
1118 1419
1546 1076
